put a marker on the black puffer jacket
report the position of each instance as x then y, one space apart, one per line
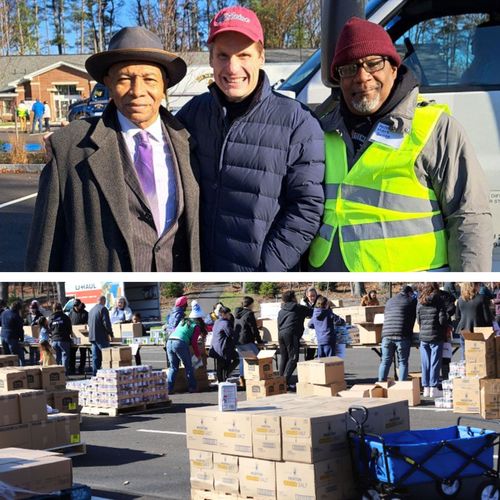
60 326
399 316
245 326
432 319
291 319
79 317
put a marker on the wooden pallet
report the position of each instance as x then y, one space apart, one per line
113 412
71 450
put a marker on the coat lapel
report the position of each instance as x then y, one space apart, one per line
106 166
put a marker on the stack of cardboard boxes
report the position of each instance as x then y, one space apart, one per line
28 470
116 357
479 390
24 421
200 374
321 377
260 379
285 447
123 387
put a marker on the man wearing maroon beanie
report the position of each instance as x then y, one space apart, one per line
404 189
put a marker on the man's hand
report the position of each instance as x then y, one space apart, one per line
48 148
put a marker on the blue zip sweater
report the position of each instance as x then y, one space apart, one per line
324 321
260 180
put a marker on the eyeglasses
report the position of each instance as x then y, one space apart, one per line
371 66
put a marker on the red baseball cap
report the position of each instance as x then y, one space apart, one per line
238 19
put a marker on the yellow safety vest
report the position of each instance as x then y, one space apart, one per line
386 219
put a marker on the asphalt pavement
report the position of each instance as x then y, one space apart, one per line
144 456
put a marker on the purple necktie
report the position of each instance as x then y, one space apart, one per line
145 172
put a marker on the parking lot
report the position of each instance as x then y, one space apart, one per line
144 456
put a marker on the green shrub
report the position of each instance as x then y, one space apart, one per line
252 287
172 289
269 289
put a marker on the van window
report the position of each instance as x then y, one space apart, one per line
453 51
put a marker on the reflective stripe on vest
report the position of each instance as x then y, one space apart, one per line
387 220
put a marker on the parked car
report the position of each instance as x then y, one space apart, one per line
93 106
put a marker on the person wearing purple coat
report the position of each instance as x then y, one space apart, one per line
324 321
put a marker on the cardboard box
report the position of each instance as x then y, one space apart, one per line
65 401
370 333
480 352
32 405
266 435
9 410
43 435
490 398
33 376
32 331
12 379
321 480
257 478
497 342
9 360
466 395
117 330
258 366
81 332
256 389
53 378
15 435
313 438
364 391
269 329
328 390
67 428
321 371
43 474
131 330
226 473
201 469
409 390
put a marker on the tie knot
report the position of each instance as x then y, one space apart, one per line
143 137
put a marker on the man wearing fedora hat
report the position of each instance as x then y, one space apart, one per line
404 189
261 157
120 192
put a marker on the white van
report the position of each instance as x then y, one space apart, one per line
452 45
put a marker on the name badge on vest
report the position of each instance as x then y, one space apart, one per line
384 135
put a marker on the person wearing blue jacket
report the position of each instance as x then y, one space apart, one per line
12 331
324 321
261 157
223 348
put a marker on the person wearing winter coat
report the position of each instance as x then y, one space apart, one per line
370 299
324 321
121 313
78 316
291 319
177 313
223 348
245 329
12 331
262 157
100 332
433 322
61 331
399 319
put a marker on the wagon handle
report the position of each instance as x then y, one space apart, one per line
354 410
479 420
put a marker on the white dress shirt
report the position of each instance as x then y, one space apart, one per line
161 155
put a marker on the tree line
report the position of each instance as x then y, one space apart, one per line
37 27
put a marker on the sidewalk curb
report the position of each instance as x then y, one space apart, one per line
21 168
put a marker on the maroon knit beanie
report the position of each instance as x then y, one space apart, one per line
360 38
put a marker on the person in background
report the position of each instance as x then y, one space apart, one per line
121 313
309 300
324 321
61 333
449 302
223 348
34 314
46 116
405 190
180 340
100 332
177 313
473 309
453 288
23 114
37 109
12 333
46 354
137 319
370 299
433 322
291 319
246 331
399 319
496 301
261 157
78 316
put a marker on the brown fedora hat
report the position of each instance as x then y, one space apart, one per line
136 44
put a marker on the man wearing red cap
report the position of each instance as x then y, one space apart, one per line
404 189
261 157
